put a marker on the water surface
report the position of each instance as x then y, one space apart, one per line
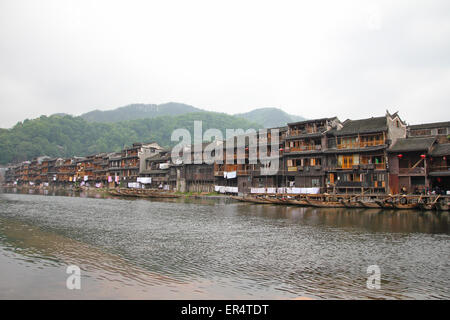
217 249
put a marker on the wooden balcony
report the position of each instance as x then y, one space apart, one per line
363 166
304 148
360 145
412 171
440 169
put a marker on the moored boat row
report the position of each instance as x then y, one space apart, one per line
397 202
142 193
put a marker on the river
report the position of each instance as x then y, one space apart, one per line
216 249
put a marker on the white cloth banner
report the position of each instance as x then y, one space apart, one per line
134 185
231 175
164 166
281 190
144 180
223 189
257 190
293 190
286 190
311 190
231 189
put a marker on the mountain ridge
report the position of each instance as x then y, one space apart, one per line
267 117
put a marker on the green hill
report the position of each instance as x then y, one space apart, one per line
270 117
67 136
139 111
267 117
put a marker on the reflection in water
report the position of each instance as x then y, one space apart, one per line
222 249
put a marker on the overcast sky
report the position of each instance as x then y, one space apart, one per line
352 59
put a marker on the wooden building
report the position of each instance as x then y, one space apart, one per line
304 157
357 154
409 162
440 130
439 168
156 168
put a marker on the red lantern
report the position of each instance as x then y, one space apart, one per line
423 156
400 156
444 158
281 149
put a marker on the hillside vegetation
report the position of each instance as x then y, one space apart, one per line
270 117
67 136
139 111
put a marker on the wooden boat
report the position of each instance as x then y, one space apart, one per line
274 200
442 206
324 204
114 193
405 206
160 195
351 204
426 206
385 204
302 203
251 199
135 194
369 204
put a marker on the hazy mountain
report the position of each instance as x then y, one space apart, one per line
267 117
270 117
139 111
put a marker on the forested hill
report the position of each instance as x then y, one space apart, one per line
270 117
267 117
139 111
67 136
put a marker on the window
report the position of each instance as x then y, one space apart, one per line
345 161
442 131
425 132
315 182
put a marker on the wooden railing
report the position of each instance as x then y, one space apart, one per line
304 148
440 168
377 166
362 144
416 170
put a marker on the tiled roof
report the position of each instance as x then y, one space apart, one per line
305 135
412 144
311 121
441 150
430 125
356 150
370 125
